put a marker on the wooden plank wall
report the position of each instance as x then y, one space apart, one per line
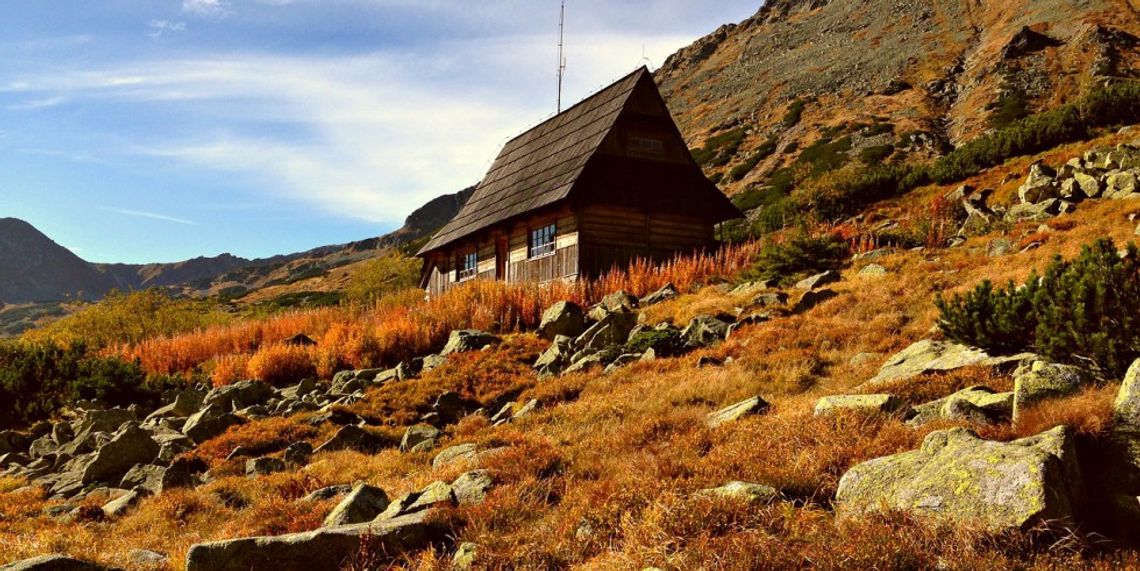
613 236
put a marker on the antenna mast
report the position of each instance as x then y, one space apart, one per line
561 58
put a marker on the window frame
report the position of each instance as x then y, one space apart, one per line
548 247
462 271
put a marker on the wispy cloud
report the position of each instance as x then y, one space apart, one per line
215 8
152 216
35 104
159 28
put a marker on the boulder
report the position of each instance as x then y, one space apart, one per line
872 271
420 434
466 556
563 318
208 423
130 446
928 356
463 340
995 406
754 405
1126 407
148 559
1033 212
999 247
52 563
326 549
743 491
12 441
239 395
1089 184
145 477
183 473
327 493
705 330
958 477
812 298
1044 380
1121 184
1039 185
121 505
771 299
471 487
866 404
298 454
451 407
351 438
667 292
612 330
264 466
454 454
620 301
361 505
818 280
556 358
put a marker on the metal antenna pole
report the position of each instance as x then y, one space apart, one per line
561 58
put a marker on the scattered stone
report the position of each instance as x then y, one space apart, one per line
464 340
1040 184
818 280
121 505
999 247
328 493
995 406
264 466
873 271
52 563
351 438
145 477
130 446
298 454
147 558
208 423
812 298
705 330
770 299
745 491
466 556
556 358
1126 407
471 487
960 477
526 409
754 405
454 454
868 404
928 356
611 330
361 505
420 434
563 318
620 301
667 292
1043 381
239 395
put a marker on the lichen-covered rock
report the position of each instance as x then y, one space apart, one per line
929 356
351 438
1039 185
611 330
471 487
326 549
52 563
1126 408
454 454
667 292
818 280
463 340
754 405
361 505
239 395
466 556
959 477
563 318
868 404
122 504
264 466
705 330
1043 381
620 301
132 445
746 491
417 435
996 406
556 358
211 421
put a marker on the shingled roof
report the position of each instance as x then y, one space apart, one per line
541 166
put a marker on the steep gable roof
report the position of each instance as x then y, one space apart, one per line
541 166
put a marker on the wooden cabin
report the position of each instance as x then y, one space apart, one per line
606 181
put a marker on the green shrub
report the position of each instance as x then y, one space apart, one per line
876 154
37 379
825 155
764 151
665 342
794 113
802 254
719 149
1010 107
377 278
1085 311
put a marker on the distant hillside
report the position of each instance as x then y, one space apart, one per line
34 268
805 83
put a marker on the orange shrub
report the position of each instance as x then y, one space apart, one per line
277 364
230 369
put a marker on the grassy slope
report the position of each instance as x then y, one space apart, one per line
602 476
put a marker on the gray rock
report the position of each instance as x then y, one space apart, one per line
770 299
867 404
471 487
873 271
563 318
812 298
620 301
463 340
556 358
1040 184
239 395
351 438
818 280
466 556
121 505
298 454
209 423
613 329
1121 184
264 466
454 454
1032 212
130 446
1126 407
147 558
999 247
419 434
1089 184
326 549
995 406
327 493
144 476
1043 381
705 330
361 505
103 420
744 491
929 356
667 292
956 476
754 405
52 563
12 441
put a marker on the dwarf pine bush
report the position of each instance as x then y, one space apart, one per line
1084 311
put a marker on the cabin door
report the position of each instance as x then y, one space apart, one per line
501 253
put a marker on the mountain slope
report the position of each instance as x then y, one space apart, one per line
912 76
34 268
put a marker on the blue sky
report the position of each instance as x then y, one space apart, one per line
159 130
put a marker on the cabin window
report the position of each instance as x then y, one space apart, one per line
468 265
542 241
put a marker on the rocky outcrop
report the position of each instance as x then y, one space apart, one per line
463 340
564 318
958 477
361 505
929 356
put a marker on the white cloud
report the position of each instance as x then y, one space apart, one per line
215 8
36 104
159 28
152 216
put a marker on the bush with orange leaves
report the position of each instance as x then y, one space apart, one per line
279 364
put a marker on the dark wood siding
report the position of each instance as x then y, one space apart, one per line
613 236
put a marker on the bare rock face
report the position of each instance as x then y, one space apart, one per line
958 477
